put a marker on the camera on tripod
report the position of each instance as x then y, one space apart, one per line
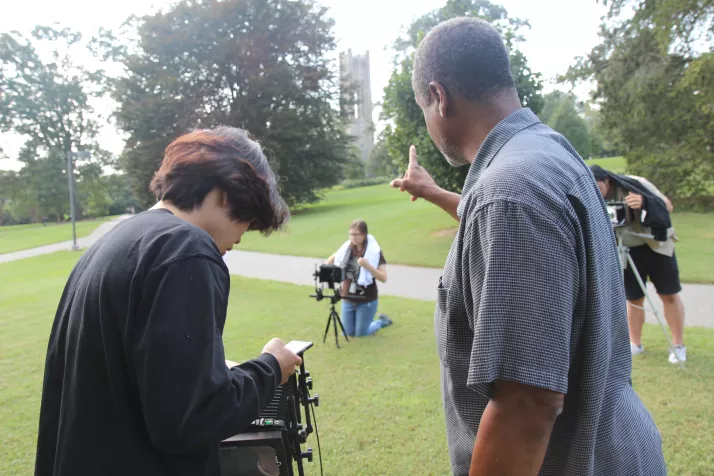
271 443
619 213
329 274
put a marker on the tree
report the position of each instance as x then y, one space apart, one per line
46 99
9 186
600 144
381 163
45 179
257 64
653 70
551 103
561 113
405 119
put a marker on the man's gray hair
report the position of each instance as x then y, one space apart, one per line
467 57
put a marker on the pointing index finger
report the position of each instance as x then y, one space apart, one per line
413 156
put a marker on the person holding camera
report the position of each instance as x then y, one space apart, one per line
136 380
364 264
655 259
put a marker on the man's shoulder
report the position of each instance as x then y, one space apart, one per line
539 180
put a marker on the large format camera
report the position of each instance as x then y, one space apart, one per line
330 275
270 445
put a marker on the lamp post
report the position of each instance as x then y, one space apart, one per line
70 178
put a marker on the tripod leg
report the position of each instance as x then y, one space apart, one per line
334 320
339 321
654 309
327 328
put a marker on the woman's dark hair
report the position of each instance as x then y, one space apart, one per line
360 226
223 157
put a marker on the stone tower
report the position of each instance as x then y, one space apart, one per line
357 100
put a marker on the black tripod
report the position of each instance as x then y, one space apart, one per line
334 319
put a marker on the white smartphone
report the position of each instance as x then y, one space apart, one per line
298 346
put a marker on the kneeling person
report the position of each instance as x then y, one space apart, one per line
364 264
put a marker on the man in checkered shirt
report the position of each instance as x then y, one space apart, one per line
530 323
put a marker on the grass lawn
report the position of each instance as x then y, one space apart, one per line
613 164
380 408
420 234
22 237
415 233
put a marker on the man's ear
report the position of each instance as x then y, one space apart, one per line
438 94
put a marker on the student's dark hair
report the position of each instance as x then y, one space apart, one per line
599 173
226 158
466 56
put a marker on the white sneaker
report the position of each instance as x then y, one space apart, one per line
681 354
636 349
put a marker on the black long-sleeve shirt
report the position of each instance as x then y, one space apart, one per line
135 377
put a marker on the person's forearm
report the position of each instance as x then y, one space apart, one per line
379 275
447 201
510 443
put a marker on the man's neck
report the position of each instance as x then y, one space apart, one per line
484 118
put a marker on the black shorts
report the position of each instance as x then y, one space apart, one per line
661 269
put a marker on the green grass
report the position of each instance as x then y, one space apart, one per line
420 234
613 164
695 253
380 406
415 233
22 237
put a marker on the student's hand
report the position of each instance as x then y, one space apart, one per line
287 359
634 201
364 263
416 180
230 364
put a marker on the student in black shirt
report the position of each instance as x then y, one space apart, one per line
136 381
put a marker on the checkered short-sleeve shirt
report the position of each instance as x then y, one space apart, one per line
532 292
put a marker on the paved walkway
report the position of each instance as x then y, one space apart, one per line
420 283
404 281
85 242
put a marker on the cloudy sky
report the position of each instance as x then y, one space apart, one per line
560 31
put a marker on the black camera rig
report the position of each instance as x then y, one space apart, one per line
270 445
330 274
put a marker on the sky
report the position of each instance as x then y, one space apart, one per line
560 31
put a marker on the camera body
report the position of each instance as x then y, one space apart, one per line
619 213
330 274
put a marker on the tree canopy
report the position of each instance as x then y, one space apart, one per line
654 81
405 119
46 99
261 65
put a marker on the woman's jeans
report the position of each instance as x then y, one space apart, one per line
358 318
